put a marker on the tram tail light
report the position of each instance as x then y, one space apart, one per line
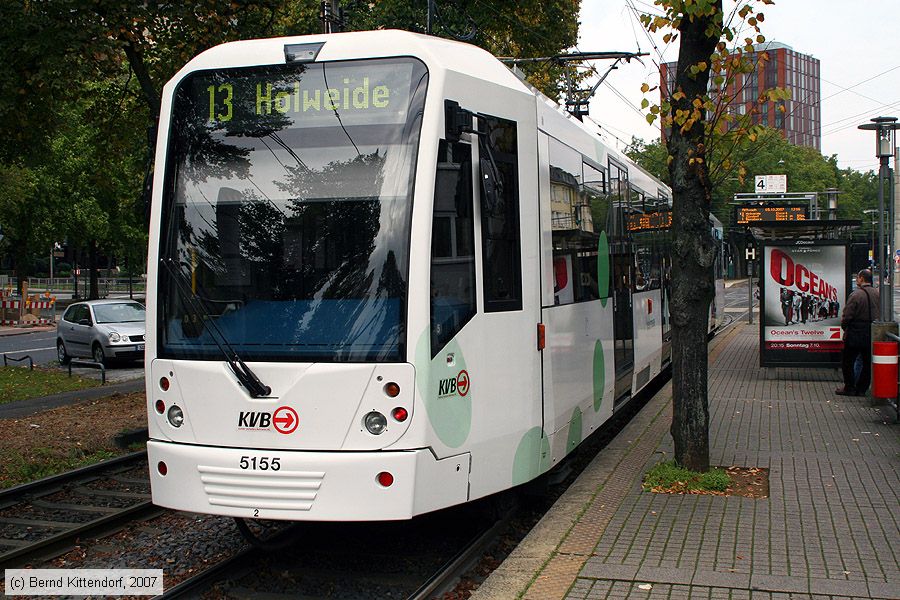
400 414
162 468
160 406
392 389
385 479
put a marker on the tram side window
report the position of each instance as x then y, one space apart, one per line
596 198
574 240
452 245
498 169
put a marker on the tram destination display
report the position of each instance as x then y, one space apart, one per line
650 221
274 97
804 286
745 215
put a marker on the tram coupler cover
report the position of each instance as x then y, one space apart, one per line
884 369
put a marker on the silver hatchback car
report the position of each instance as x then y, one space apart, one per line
103 330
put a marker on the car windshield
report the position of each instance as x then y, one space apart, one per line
126 312
286 219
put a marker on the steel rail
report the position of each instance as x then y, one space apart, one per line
108 520
445 579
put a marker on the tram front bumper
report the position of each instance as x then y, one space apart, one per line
302 485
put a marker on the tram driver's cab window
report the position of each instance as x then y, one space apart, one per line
452 244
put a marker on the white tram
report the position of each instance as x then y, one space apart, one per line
386 277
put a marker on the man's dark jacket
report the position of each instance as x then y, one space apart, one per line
861 309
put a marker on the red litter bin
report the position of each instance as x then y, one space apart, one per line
884 369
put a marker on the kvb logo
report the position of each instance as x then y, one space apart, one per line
453 386
285 420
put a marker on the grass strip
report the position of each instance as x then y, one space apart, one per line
19 383
43 462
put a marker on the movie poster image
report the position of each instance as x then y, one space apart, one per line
805 286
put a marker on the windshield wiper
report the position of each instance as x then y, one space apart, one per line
248 378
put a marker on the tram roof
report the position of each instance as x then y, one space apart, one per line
435 52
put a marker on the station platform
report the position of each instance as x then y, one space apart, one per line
830 527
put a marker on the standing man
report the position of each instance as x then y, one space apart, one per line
861 309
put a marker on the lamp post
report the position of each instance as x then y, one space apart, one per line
884 128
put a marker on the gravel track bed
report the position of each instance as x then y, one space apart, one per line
25 533
39 513
118 486
180 544
72 497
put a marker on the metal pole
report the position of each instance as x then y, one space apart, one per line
883 173
430 17
889 301
895 186
750 294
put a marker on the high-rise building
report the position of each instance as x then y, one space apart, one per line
801 119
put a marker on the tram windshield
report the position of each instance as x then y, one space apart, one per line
286 214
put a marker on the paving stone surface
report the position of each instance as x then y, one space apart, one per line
830 527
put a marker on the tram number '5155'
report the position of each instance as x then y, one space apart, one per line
253 463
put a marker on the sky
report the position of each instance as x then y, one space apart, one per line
857 44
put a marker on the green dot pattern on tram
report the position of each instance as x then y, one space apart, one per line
532 456
576 430
603 267
450 414
599 374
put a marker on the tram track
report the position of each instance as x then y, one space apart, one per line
45 518
414 560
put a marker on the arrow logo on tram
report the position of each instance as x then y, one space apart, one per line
285 420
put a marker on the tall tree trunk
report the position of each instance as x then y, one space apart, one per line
694 252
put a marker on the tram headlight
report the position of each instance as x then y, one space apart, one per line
175 416
375 422
114 336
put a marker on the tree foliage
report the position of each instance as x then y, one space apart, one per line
81 82
806 169
523 29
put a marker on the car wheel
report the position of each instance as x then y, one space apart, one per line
98 355
61 353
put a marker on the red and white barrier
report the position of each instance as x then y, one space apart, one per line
884 369
9 312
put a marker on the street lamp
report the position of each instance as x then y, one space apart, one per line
884 128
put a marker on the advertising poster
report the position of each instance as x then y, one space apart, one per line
804 284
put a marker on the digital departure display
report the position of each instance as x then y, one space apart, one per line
658 219
754 214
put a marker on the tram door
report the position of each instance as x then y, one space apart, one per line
622 257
